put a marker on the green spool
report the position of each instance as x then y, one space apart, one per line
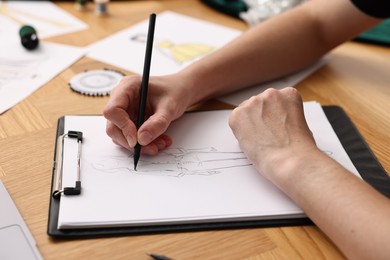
28 37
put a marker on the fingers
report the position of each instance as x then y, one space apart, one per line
152 128
286 96
120 113
120 127
271 126
274 117
290 96
118 136
272 101
160 143
270 111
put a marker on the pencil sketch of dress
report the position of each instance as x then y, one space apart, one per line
178 52
176 162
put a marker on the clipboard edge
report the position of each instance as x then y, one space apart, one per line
335 115
358 150
54 204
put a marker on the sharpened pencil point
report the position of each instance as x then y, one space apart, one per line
137 153
135 162
158 257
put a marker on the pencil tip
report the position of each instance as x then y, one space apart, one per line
136 157
158 257
135 163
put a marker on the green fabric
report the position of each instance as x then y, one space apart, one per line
230 7
380 34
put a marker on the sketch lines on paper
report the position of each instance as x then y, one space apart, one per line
22 17
19 68
175 162
327 152
178 52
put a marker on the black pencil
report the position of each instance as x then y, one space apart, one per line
144 84
159 257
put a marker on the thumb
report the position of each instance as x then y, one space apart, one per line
152 128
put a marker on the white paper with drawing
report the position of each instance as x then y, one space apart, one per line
179 40
22 72
204 176
47 18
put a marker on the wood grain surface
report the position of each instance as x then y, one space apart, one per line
356 77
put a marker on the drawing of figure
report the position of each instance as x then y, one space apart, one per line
176 162
180 53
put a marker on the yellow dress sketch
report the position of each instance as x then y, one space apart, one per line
179 52
186 51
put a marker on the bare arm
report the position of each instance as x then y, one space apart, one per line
348 210
276 47
279 46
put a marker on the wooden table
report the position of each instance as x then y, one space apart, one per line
356 78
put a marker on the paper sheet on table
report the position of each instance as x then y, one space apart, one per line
203 177
22 71
238 97
179 40
47 19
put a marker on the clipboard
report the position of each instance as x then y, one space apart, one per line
357 149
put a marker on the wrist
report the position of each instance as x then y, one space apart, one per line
202 81
194 90
290 166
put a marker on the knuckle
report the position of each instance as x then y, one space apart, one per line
110 129
162 121
291 91
107 111
234 116
270 92
127 79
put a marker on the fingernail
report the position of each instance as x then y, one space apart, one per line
131 141
145 138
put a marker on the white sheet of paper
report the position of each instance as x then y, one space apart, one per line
22 71
176 46
204 177
325 137
179 40
238 97
47 19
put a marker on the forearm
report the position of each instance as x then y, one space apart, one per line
274 48
348 210
258 55
272 132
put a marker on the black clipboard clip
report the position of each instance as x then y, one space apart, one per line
57 189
